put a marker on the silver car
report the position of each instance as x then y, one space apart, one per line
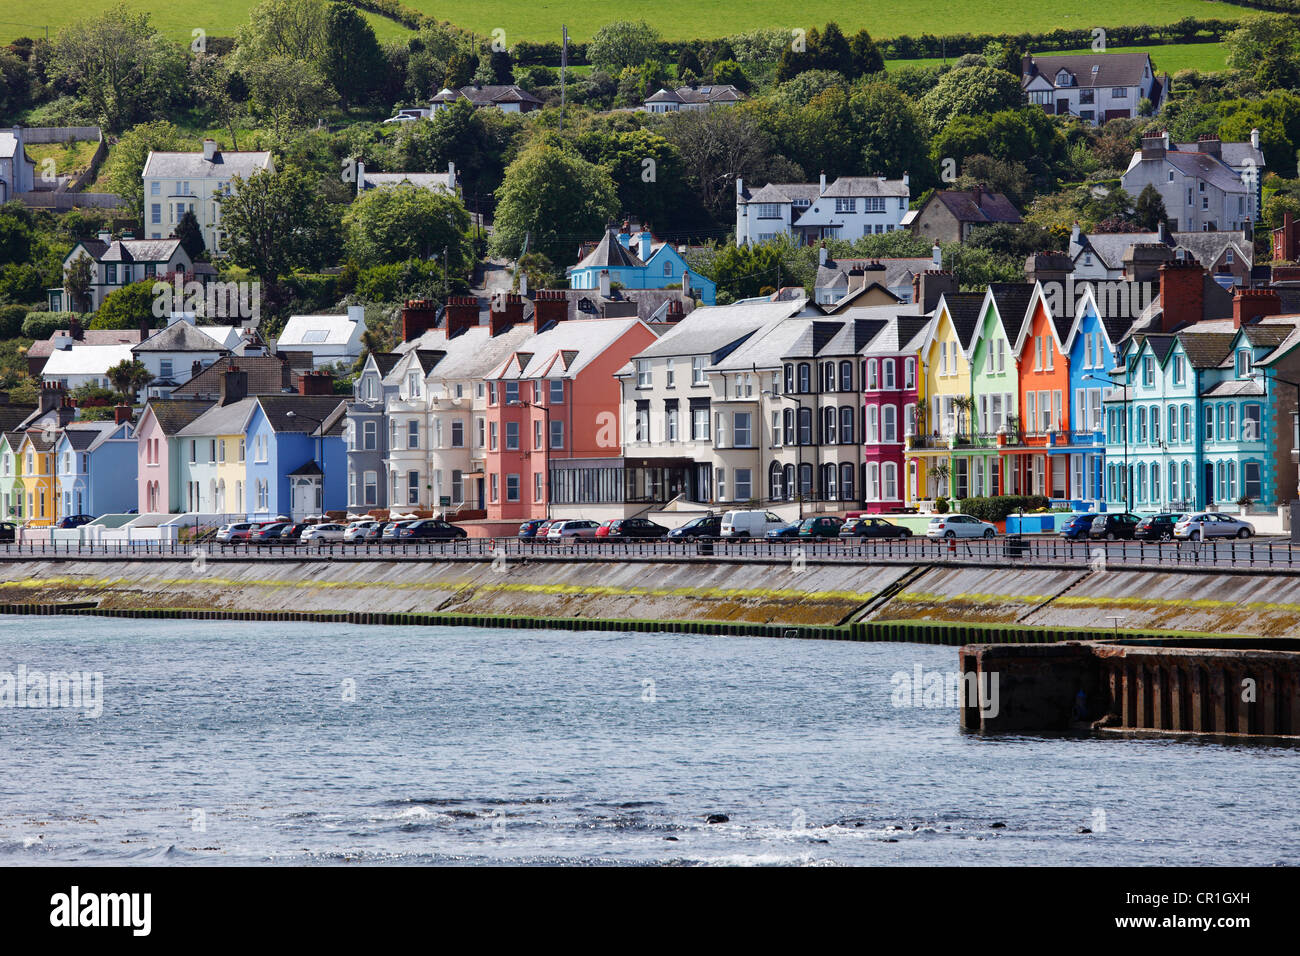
357 530
225 531
959 526
576 528
320 535
1199 525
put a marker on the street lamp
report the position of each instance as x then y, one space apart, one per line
320 451
798 441
546 442
1128 484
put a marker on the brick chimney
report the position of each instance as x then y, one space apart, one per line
461 314
675 311
418 317
1210 144
146 329
1182 294
1251 305
1284 239
506 311
234 385
319 382
121 413
51 396
930 285
1048 267
549 305
75 330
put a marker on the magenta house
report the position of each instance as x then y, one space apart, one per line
889 398
158 470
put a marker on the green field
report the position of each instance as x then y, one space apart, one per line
1167 57
675 19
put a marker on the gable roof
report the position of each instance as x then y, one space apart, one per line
964 310
267 374
304 331
1090 70
566 348
46 347
179 337
85 360
276 409
712 329
1009 301
977 206
172 416
223 165
610 254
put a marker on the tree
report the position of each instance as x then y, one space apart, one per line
729 72
888 126
867 58
287 94
647 170
215 88
295 29
1264 47
128 377
621 44
352 61
190 234
722 145
121 68
275 222
971 91
127 307
833 52
126 160
393 224
1149 210
77 283
555 197
475 140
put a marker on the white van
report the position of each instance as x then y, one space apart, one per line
750 524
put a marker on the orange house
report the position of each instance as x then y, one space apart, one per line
1044 404
555 398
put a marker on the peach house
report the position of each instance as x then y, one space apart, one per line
555 401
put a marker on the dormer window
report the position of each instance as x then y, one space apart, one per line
1063 78
1243 363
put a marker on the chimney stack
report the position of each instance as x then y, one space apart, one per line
1153 146
234 385
195 367
604 284
1182 294
1251 305
930 285
507 310
209 150
1048 267
75 329
1210 144
316 382
121 413
549 305
418 317
51 397
461 313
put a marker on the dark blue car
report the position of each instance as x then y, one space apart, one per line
790 530
1076 528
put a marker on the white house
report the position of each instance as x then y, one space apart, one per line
692 98
329 338
17 171
75 365
177 353
1095 87
438 182
1200 191
176 183
850 207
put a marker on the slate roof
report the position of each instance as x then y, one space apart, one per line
717 93
422 180
384 361
785 193
489 95
338 330
221 419
223 165
1234 154
987 208
1234 387
1204 349
276 408
180 337
11 416
1204 166
964 310
1113 69
267 374
610 254
470 355
1012 301
846 186
139 250
46 347
564 349
708 329
85 360
172 416
82 435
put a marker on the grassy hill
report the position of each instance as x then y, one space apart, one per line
1168 57
675 19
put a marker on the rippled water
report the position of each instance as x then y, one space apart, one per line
469 746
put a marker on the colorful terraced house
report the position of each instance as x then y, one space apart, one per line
995 391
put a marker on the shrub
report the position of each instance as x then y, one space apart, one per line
997 507
41 325
941 505
11 320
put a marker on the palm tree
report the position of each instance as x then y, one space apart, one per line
939 471
128 377
965 408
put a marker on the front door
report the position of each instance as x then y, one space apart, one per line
304 497
1208 484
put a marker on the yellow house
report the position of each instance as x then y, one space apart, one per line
35 461
943 402
229 497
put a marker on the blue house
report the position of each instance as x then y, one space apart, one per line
635 260
95 463
297 461
1090 350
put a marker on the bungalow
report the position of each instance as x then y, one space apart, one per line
693 99
329 338
507 98
436 182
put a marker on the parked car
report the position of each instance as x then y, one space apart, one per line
790 530
704 528
376 532
573 528
1211 524
74 521
357 529
246 532
823 526
8 531
528 530
391 528
959 526
1077 526
291 534
225 532
749 524
873 528
319 535
429 529
278 532
623 528
1114 526
1157 527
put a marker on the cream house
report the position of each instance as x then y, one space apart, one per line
176 183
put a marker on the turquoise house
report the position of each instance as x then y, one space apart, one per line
635 260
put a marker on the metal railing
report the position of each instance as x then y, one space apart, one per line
1027 551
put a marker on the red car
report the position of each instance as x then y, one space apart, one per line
246 534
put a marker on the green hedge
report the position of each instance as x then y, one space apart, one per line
997 508
41 325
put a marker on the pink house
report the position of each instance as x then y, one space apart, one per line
889 394
159 460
